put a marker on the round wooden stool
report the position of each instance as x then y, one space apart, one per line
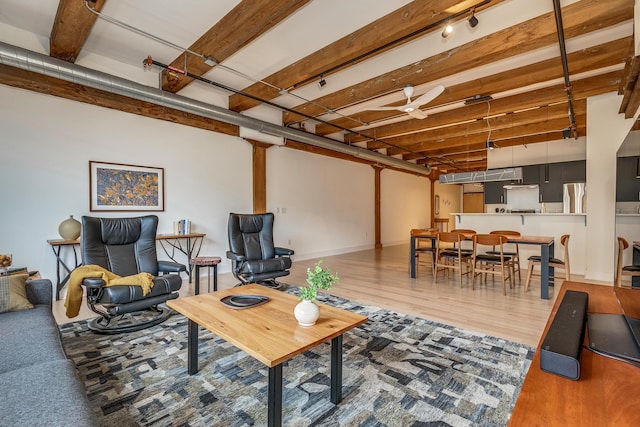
206 261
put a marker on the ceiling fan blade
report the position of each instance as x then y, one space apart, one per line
417 114
426 97
400 108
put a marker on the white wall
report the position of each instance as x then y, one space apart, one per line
47 144
323 206
405 204
46 147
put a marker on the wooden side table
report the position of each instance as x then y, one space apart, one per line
206 261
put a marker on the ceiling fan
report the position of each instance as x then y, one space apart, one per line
412 108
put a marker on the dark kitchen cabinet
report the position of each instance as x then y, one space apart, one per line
627 185
574 171
494 193
531 174
551 192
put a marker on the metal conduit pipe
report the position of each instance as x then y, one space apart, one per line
565 66
24 59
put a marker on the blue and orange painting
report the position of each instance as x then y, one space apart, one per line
126 187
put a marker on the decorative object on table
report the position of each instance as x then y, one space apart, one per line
306 311
5 261
240 302
117 187
182 226
70 228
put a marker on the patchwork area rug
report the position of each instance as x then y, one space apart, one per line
398 370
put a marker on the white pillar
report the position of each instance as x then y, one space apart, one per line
606 130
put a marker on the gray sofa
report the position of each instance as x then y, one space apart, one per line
39 386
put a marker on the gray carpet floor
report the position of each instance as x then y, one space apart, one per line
398 370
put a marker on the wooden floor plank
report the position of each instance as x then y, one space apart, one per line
380 277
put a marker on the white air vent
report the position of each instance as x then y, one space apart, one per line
507 174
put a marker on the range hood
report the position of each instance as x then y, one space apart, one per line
507 174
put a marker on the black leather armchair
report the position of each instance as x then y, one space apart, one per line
254 257
127 246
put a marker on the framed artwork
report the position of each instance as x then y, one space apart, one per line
116 187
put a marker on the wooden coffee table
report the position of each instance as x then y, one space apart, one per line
268 332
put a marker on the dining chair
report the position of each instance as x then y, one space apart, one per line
467 235
449 255
496 263
514 254
624 270
536 260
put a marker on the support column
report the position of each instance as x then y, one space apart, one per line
259 159
606 130
377 221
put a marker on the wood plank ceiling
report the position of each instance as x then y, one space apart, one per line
519 66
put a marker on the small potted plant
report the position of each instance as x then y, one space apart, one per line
307 312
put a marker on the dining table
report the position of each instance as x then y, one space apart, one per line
546 244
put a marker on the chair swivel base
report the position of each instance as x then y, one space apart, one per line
269 283
130 322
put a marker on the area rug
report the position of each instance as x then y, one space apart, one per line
398 370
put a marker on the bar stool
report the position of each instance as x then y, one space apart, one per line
206 261
442 224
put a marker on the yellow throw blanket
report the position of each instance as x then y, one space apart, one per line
74 290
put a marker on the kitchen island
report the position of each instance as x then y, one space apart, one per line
534 224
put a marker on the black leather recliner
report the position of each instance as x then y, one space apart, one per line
127 246
254 257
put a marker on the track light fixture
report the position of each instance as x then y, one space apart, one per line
322 82
448 29
473 21
490 145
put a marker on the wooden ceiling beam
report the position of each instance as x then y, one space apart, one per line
487 125
36 82
378 36
71 27
243 24
579 18
550 129
585 60
582 89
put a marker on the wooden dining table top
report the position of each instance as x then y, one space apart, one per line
268 332
542 240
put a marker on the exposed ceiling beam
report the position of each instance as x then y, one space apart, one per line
585 60
583 88
484 127
71 28
52 86
579 18
243 24
353 48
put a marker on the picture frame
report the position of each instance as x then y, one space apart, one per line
122 187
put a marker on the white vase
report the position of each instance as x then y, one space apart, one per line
306 312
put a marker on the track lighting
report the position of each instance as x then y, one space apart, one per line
448 29
322 82
490 145
473 21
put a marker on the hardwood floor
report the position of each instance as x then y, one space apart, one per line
380 277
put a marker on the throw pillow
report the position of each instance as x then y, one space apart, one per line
13 294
